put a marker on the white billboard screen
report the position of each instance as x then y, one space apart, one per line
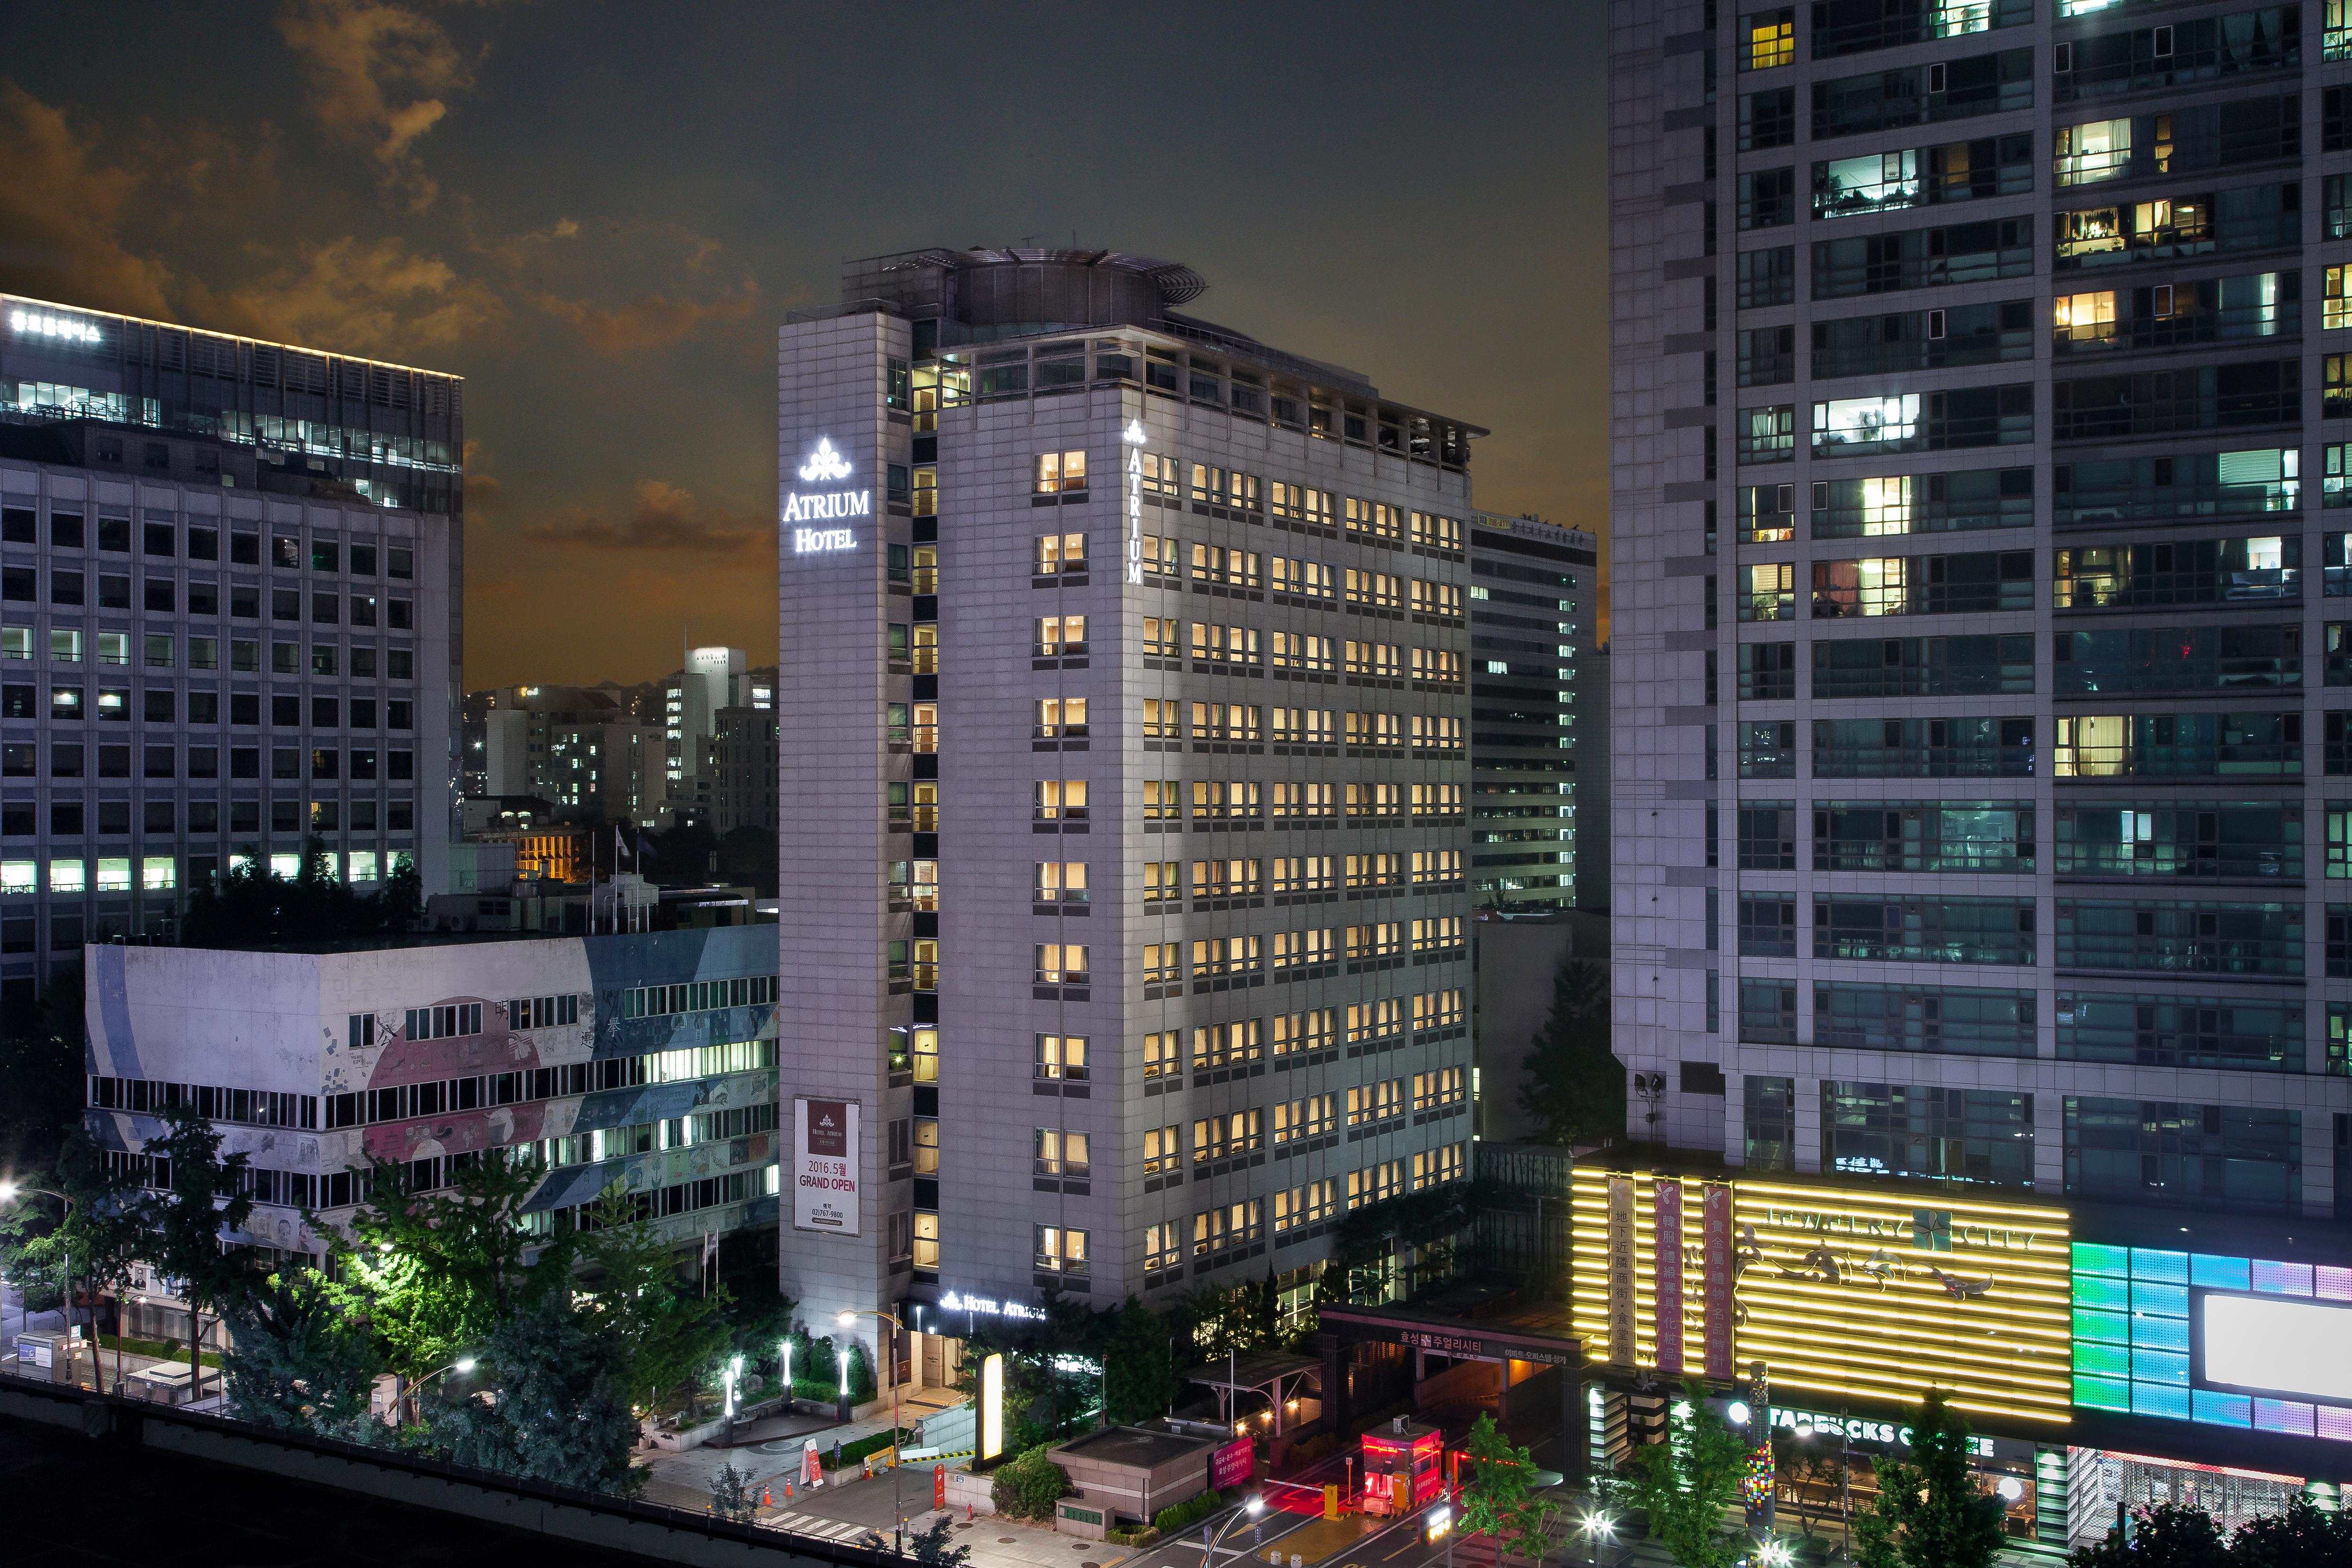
2291 1344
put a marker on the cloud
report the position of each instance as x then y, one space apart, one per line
653 320
361 296
381 76
664 518
62 211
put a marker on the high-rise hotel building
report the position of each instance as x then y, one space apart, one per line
1980 783
1122 703
230 620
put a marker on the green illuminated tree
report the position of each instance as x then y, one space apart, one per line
435 1273
558 1405
196 1199
298 1361
1929 1513
671 1333
1497 1501
1687 1483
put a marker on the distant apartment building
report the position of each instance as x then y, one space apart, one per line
580 749
1531 596
230 620
646 1060
742 770
712 680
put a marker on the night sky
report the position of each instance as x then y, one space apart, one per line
598 214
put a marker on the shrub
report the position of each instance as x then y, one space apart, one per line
1171 1520
1029 1486
1135 1535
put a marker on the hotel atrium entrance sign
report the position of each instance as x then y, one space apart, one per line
826 466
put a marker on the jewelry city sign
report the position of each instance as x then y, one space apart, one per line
826 466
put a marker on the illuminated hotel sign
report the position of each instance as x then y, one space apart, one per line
989 1307
826 466
1845 1294
41 324
1134 438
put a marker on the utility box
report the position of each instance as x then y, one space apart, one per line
45 1356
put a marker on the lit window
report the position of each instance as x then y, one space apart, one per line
2335 310
2098 151
1061 472
287 866
158 873
114 875
68 877
2086 318
19 877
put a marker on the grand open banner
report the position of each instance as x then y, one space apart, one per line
825 1165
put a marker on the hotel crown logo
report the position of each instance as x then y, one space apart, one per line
825 465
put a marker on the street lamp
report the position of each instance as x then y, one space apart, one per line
897 1327
1251 1509
734 1373
786 1347
462 1364
1596 1527
9 1193
1439 1522
1774 1553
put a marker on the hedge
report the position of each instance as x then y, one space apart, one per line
1171 1520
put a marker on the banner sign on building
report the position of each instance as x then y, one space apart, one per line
825 1165
1622 1306
1231 1464
1667 1210
1716 1260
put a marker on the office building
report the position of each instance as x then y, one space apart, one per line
2012 330
1530 591
711 681
1101 618
644 1058
743 769
579 749
229 619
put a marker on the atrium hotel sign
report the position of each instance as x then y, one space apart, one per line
823 508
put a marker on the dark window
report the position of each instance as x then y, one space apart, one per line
243 602
400 615
400 765
158 817
244 707
65 530
159 539
325 555
203 708
65 818
113 593
326 609
401 714
18 702
159 763
64 588
245 549
363 560
362 712
324 713
244 762
158 594
203 599
285 604
19 525
114 533
285 549
203 543
204 762
286 712
16 582
159 705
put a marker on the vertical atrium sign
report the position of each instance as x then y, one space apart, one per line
826 466
1134 438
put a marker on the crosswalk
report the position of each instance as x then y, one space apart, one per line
834 1529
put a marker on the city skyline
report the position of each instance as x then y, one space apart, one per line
424 177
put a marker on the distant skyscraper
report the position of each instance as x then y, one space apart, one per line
230 619
1531 586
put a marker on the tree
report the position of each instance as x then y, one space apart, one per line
1138 1372
41 1063
197 1196
2304 1536
1496 1502
561 1412
297 1360
2169 1535
931 1549
1028 1486
730 1494
671 1334
436 1272
1686 1483
1576 1087
1929 1512
1805 1465
254 905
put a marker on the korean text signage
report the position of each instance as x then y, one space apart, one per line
825 1165
1667 1204
1230 1466
827 514
1623 1310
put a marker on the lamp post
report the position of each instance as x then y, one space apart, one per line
734 1375
463 1364
897 1515
1596 1528
785 1347
1251 1510
9 1193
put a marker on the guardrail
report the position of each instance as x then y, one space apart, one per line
516 1502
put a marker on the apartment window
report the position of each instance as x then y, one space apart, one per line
1062 553
1767 39
1060 1152
1061 1250
1771 1130
1061 717
1060 881
1062 1056
1061 635
1061 473
1062 800
1061 963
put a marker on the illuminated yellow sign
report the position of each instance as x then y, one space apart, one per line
1843 1293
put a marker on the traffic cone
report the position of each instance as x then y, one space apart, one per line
765 1500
